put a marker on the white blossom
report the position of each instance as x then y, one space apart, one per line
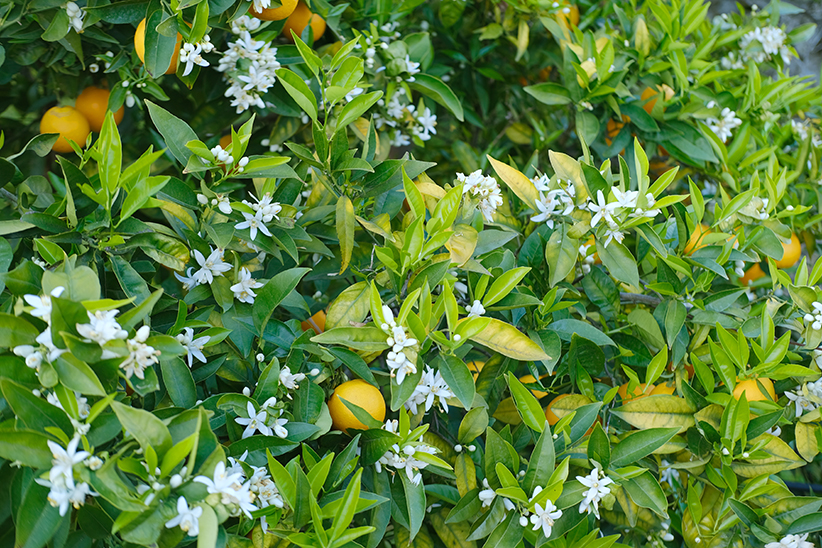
432 389
290 380
194 347
253 223
41 305
792 541
475 310
544 517
188 519
256 421
724 125
597 489
140 355
102 327
245 286
210 267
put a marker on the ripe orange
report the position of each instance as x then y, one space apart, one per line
649 95
790 253
315 322
695 241
752 274
752 390
364 395
93 104
299 19
140 46
664 389
274 14
529 379
550 416
638 393
225 142
69 123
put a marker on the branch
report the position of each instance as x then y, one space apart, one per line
639 299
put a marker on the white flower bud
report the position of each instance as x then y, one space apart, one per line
260 357
246 392
243 161
523 521
457 337
472 448
202 199
175 481
36 392
125 83
314 372
458 448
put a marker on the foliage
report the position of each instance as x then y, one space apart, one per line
579 298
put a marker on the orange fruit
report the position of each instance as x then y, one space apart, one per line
299 19
638 393
664 389
364 395
523 81
550 416
315 322
93 104
790 253
140 46
695 241
275 14
570 19
752 391
649 96
529 379
69 123
553 414
225 142
545 73
752 274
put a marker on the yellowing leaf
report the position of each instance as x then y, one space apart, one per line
462 243
660 411
507 412
806 440
780 457
509 341
452 535
345 230
516 181
352 305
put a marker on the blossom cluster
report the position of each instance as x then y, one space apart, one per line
792 541
404 458
484 190
191 54
806 397
267 421
397 111
724 125
76 16
555 200
64 489
398 362
432 389
249 65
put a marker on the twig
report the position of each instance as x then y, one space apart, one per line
639 299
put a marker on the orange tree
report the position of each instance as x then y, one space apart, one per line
249 315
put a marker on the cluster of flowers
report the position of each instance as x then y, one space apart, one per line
403 458
249 65
267 421
759 45
432 389
544 515
815 319
724 125
64 489
191 54
396 112
807 397
616 213
214 266
265 210
554 200
101 329
75 15
398 340
484 190
792 541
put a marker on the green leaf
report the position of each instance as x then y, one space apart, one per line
550 94
620 263
566 328
527 405
110 149
345 230
130 280
646 492
16 331
561 253
639 445
368 339
37 520
299 91
458 377
208 525
356 108
436 89
415 503
147 429
175 132
273 293
77 375
179 382
27 446
35 413
159 48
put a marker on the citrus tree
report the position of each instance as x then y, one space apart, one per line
281 274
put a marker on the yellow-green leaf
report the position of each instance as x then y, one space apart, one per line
660 411
352 305
509 341
517 181
345 230
780 457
